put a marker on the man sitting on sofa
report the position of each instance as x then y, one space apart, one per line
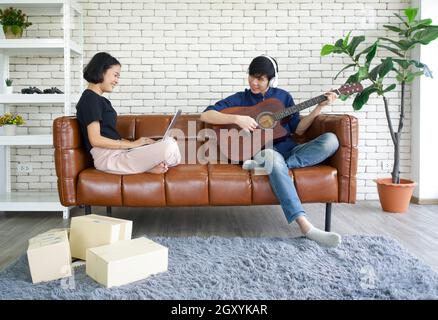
285 154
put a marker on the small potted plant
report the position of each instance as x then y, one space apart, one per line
9 87
14 21
10 121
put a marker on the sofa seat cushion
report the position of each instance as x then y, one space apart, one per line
229 185
187 185
262 193
316 184
143 190
99 188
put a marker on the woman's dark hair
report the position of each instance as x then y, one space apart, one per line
96 68
262 66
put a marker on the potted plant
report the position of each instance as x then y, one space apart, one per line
14 21
10 121
9 87
408 34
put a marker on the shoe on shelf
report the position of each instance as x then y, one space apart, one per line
27 90
53 90
36 90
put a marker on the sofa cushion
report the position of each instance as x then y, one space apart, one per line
151 125
99 188
187 185
316 184
143 190
229 185
262 193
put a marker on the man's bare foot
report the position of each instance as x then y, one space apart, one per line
159 168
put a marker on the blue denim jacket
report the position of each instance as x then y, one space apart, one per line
247 98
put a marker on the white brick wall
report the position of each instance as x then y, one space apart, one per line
189 54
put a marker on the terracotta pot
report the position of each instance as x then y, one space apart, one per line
13 32
395 197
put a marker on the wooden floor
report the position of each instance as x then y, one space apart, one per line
416 230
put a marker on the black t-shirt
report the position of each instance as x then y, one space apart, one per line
93 107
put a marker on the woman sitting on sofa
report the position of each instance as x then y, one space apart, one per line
97 121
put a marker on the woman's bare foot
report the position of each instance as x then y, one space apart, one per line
159 168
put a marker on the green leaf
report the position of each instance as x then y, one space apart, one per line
411 13
424 22
362 98
399 78
339 43
396 43
345 42
390 87
362 73
344 68
393 50
371 54
373 73
427 35
354 43
426 71
406 44
403 20
343 97
419 25
363 52
411 76
352 79
403 63
327 49
392 28
387 66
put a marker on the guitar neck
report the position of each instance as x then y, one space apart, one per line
286 112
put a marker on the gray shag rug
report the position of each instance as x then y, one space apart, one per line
362 267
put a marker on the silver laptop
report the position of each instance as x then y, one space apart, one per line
172 124
167 133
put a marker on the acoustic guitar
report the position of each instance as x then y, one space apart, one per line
238 145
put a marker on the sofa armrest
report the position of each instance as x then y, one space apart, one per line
71 158
345 159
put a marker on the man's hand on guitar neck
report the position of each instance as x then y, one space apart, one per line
246 123
306 121
331 96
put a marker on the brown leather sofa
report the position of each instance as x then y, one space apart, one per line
194 183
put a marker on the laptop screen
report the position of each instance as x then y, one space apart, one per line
172 124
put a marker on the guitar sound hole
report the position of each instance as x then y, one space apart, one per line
266 121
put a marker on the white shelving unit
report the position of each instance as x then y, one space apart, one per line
29 47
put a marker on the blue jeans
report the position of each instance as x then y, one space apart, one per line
302 155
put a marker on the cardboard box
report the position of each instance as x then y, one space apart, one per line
94 230
126 261
49 256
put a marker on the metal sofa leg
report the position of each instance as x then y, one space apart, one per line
108 211
328 216
87 209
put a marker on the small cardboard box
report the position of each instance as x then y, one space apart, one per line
49 256
126 261
94 230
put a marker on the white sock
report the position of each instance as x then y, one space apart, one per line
250 165
326 239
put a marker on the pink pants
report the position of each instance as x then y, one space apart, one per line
136 160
